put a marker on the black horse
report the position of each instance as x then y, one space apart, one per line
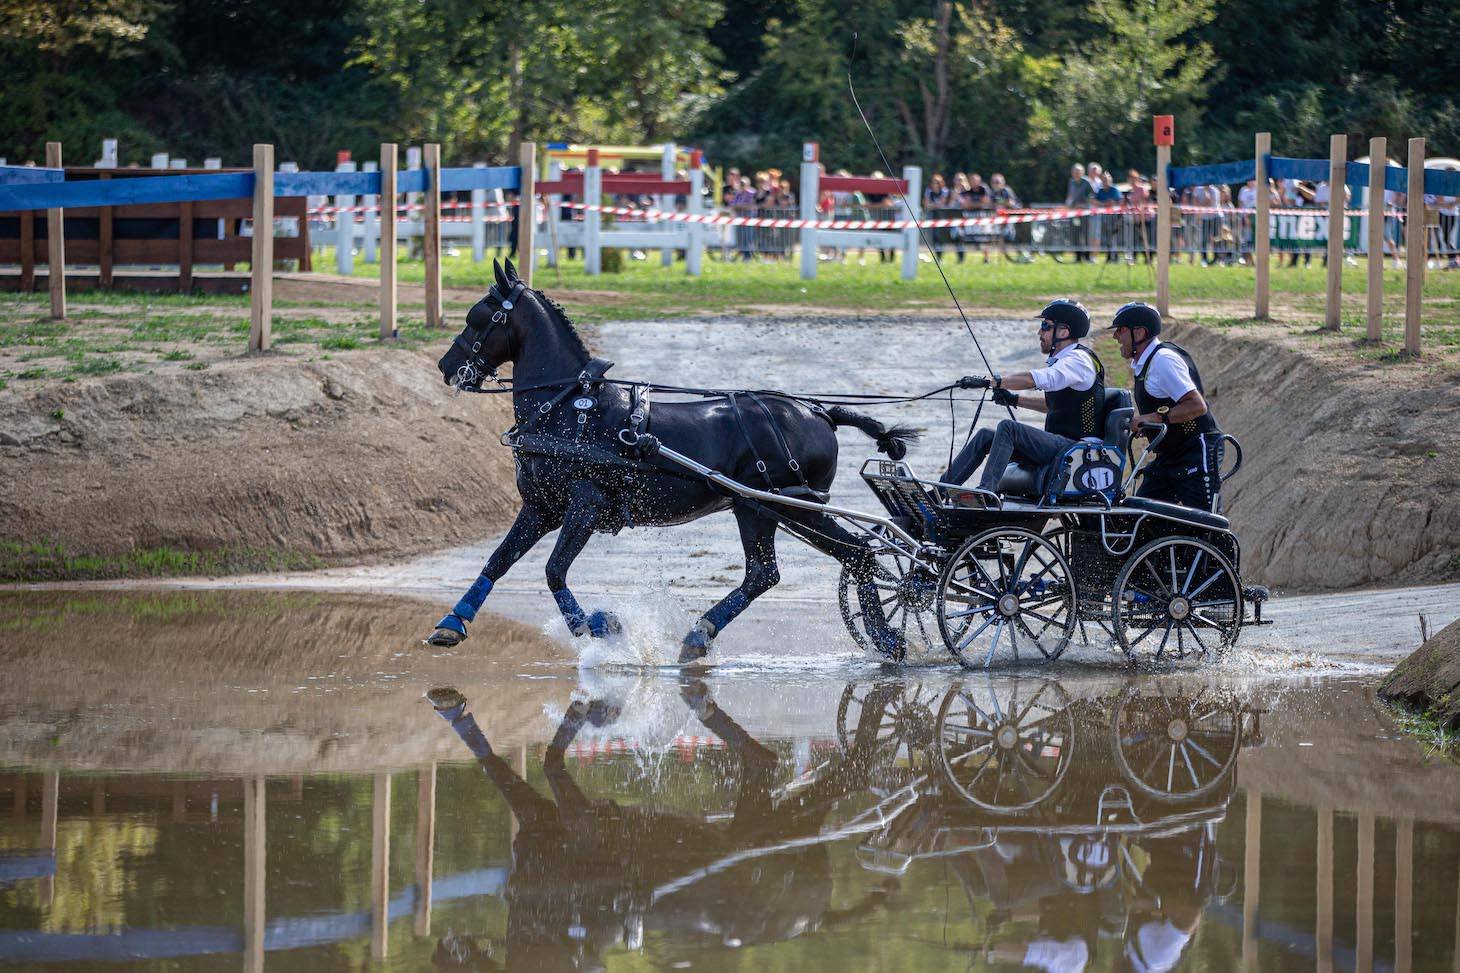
576 474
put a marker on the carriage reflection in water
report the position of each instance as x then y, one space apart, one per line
1065 820
1075 819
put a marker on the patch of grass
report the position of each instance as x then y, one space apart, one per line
100 365
58 414
341 343
31 374
196 366
51 561
1429 730
177 354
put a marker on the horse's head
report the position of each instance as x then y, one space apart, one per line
492 335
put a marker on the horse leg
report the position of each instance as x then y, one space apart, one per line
531 525
758 538
822 532
586 505
526 804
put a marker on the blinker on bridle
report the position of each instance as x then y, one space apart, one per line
471 373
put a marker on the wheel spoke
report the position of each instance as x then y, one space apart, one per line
1171 770
1203 586
1192 629
1207 621
1190 575
1195 784
1146 563
1201 751
975 633
1143 636
970 611
970 730
1165 637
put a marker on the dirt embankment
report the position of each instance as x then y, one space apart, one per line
1429 680
1352 473
282 460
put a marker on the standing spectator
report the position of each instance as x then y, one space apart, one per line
937 195
1078 193
1449 222
1246 218
1004 198
877 204
1108 195
980 201
742 203
1139 201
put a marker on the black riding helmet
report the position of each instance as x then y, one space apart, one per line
1137 315
1070 313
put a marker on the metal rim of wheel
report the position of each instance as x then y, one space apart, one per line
906 722
908 593
1007 585
1002 753
1181 586
1177 749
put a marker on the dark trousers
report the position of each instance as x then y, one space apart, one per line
1009 441
1192 478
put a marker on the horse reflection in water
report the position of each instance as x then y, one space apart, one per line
1083 832
591 874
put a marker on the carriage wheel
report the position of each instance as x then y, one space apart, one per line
1006 587
898 716
1177 747
1176 599
1004 750
908 592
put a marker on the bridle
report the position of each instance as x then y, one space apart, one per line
470 374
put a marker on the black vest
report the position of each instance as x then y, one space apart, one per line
1075 414
1178 438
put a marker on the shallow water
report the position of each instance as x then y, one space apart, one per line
201 780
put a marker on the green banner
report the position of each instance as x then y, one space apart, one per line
1308 231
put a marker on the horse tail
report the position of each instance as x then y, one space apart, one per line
892 440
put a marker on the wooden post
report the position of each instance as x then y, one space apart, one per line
592 218
1364 895
389 165
425 846
1378 163
431 241
56 243
1251 872
261 305
1163 230
810 196
1403 895
1337 166
185 248
380 856
1261 229
254 834
17 810
104 244
527 212
1414 246
1324 931
694 253
914 177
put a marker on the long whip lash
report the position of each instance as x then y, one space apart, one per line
887 167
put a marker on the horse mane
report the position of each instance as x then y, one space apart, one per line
559 316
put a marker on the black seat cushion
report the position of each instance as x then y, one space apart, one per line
1191 515
1021 481
1119 411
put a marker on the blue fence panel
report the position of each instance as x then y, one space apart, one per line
1218 174
326 184
29 175
412 181
124 192
1442 182
491 177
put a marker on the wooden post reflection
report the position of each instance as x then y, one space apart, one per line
98 796
425 846
1403 895
512 822
18 811
1325 890
1364 920
50 805
254 843
380 869
1457 928
1251 870
179 800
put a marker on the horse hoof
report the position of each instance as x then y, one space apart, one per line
447 701
602 624
696 646
444 638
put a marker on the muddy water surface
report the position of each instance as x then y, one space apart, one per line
208 780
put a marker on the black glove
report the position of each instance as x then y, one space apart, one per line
1005 397
974 382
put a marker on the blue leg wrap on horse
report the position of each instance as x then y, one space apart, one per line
724 613
599 624
466 727
572 611
472 601
454 623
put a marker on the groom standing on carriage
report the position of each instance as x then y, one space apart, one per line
1073 383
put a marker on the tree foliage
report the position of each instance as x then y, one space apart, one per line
1022 86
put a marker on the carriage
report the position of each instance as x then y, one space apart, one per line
1055 554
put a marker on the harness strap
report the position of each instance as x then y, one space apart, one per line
760 464
780 439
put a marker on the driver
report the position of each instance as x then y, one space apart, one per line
1168 391
1073 383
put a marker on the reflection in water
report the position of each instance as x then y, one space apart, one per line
1014 823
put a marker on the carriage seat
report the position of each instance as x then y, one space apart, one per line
1027 481
1190 515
